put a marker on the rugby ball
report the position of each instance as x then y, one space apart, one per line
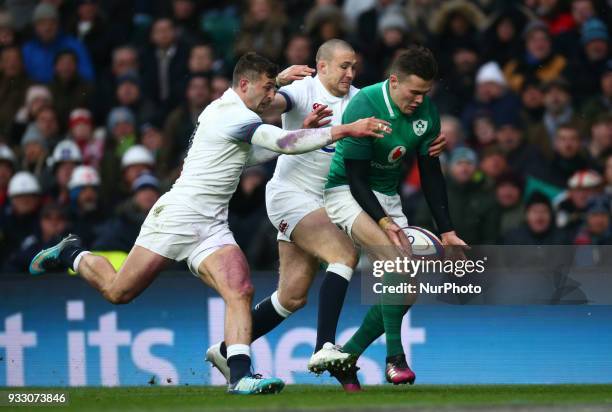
423 242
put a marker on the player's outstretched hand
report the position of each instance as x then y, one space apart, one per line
396 235
369 127
437 146
319 117
293 73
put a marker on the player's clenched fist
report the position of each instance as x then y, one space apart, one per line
369 127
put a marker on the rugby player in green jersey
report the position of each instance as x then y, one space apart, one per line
361 194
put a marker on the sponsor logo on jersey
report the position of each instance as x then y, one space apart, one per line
419 127
396 154
283 226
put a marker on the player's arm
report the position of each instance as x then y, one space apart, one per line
283 101
357 173
305 140
433 186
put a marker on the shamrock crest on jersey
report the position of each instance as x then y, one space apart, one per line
419 127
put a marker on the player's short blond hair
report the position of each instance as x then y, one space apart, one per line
327 49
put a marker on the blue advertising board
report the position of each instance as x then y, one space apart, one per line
57 331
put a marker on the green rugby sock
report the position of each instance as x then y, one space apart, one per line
392 316
393 309
371 328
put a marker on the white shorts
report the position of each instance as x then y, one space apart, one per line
343 209
179 233
287 205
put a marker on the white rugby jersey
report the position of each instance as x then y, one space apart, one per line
219 148
308 171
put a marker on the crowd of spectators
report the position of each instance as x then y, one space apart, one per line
99 99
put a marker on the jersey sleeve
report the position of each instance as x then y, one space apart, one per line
240 124
296 94
433 132
357 148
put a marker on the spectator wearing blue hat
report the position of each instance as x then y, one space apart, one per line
591 62
472 206
39 53
597 229
121 231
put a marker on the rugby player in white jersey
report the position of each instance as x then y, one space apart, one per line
294 201
190 221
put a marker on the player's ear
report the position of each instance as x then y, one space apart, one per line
393 81
322 66
243 84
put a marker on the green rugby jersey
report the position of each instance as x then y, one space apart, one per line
413 132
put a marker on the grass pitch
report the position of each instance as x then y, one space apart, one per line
373 398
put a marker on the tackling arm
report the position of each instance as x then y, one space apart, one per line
357 174
434 189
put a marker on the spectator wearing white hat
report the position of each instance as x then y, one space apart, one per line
491 96
87 211
8 163
136 161
37 98
21 218
65 157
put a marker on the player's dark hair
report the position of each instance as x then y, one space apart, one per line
417 60
251 65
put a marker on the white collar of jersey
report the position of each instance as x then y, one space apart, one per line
326 94
231 94
387 101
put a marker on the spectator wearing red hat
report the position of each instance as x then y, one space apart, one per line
582 187
81 130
